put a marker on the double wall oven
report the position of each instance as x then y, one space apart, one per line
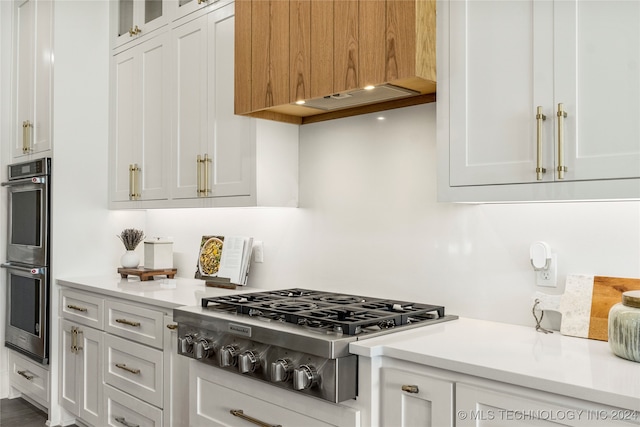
28 257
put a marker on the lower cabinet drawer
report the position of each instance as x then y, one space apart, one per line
28 377
123 410
134 368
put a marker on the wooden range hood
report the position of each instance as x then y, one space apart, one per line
325 52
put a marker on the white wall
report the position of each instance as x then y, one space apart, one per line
369 223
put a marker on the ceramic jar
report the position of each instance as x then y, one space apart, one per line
624 327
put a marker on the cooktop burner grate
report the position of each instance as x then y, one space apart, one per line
347 314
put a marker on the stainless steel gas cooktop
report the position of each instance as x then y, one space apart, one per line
295 338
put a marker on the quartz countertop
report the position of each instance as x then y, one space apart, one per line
576 367
166 293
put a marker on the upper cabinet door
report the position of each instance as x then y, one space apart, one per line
134 19
32 77
597 78
500 71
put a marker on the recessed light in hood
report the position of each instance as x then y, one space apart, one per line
358 97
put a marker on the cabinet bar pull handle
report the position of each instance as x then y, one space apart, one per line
26 136
199 166
561 166
410 388
24 374
75 331
126 423
128 369
128 322
539 119
240 414
172 326
134 184
76 307
207 163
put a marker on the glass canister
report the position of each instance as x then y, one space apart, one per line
624 327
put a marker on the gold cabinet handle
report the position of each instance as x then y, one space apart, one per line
134 181
125 423
26 375
202 1
26 136
539 119
410 388
128 369
240 414
172 326
75 348
128 322
561 166
203 175
134 31
76 308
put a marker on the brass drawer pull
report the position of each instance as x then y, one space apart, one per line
172 326
76 308
562 168
410 388
126 423
24 374
128 369
128 322
539 119
240 414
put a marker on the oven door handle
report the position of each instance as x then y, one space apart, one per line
33 270
22 181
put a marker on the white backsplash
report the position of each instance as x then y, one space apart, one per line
369 223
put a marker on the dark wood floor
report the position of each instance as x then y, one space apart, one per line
20 413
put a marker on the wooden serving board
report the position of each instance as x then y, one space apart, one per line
586 302
147 273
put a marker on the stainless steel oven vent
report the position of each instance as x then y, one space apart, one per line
359 97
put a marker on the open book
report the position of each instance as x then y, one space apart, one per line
224 257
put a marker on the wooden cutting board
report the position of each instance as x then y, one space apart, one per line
585 304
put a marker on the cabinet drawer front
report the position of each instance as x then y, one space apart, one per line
122 409
82 308
139 324
133 368
28 377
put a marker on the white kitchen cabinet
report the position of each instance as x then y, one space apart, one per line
221 398
211 145
140 122
81 371
499 61
133 20
119 361
409 398
28 379
32 77
518 407
181 8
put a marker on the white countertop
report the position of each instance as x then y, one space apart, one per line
576 367
161 292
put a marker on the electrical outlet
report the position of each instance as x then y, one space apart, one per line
549 277
258 251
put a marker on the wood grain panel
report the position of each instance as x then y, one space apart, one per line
300 50
426 40
321 48
269 53
345 45
607 291
372 22
401 39
242 58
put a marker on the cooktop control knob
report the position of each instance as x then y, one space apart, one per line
203 349
186 344
228 355
281 370
248 362
304 377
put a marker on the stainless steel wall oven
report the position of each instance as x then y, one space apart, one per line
27 267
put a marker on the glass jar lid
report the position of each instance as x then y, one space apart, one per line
631 299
